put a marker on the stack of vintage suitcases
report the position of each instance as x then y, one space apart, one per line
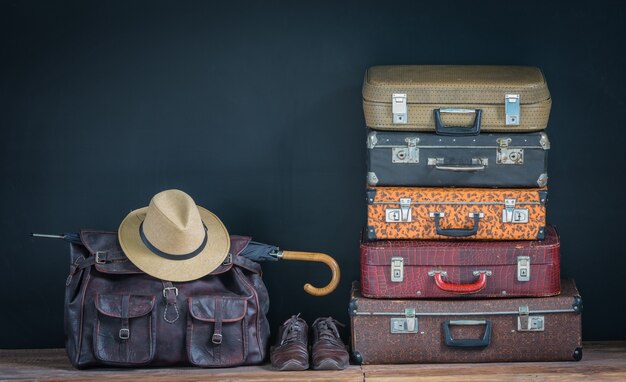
457 261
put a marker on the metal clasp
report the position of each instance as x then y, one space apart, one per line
399 215
528 323
523 268
406 324
399 108
228 260
510 214
397 269
409 154
512 109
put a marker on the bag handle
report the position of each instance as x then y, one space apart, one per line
457 232
317 257
440 129
467 343
474 287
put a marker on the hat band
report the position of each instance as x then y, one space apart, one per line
170 256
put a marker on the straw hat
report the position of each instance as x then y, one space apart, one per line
173 239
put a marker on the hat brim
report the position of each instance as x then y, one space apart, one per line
211 257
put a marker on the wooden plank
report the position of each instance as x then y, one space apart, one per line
53 365
601 361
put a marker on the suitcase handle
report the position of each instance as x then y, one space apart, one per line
470 342
440 129
460 167
474 287
456 232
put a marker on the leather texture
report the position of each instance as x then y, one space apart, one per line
374 343
430 87
291 351
116 315
454 209
455 157
459 260
328 352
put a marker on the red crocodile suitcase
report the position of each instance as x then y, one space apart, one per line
449 269
466 330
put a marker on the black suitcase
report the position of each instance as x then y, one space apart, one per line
484 160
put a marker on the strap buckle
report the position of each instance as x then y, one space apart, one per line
216 338
124 333
100 257
168 289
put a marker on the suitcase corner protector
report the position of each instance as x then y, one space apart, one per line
577 305
371 233
578 354
358 358
353 307
371 195
541 233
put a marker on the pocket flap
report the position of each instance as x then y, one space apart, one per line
203 308
111 305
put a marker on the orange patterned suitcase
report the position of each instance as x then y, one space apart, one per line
456 213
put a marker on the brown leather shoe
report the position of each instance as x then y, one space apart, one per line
291 350
328 351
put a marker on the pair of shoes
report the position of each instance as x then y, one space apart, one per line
291 350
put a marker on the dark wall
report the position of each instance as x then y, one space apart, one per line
254 109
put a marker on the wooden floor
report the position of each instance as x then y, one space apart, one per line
602 361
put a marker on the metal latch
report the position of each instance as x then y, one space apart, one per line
523 268
397 269
408 154
506 155
402 214
406 324
528 323
511 109
398 108
510 214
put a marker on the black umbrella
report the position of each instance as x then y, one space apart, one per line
258 252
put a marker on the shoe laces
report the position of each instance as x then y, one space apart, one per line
293 330
327 329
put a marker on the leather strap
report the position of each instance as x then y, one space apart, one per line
170 292
124 333
216 339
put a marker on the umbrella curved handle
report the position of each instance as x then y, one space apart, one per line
318 257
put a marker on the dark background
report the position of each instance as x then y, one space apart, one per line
254 109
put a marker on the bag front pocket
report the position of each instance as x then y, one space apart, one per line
124 331
216 331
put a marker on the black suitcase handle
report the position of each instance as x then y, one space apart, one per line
440 129
470 342
456 232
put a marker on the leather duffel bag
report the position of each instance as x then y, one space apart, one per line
116 315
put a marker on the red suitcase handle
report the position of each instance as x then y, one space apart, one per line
474 287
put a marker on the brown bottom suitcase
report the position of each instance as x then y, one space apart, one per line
445 331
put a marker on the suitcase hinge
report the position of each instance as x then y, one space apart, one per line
397 269
528 323
523 268
409 154
506 155
510 214
406 324
511 109
398 108
399 215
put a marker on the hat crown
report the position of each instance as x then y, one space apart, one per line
173 223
